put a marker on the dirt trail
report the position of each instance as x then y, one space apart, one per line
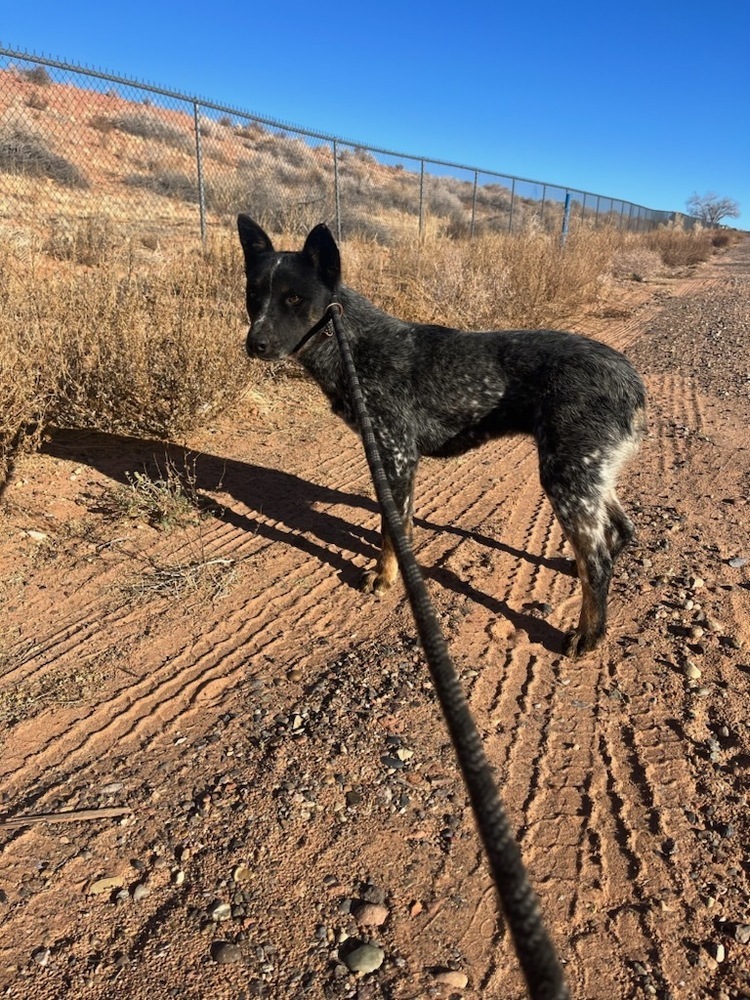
277 737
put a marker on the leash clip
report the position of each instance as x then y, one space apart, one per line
330 308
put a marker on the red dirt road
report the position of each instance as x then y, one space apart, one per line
276 735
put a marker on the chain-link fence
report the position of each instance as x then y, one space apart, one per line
79 144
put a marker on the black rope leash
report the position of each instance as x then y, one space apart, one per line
535 950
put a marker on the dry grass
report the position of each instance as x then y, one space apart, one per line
62 687
494 281
678 247
97 332
114 345
27 153
201 578
168 499
144 126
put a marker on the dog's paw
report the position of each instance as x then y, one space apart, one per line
373 582
577 644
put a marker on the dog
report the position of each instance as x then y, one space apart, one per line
438 392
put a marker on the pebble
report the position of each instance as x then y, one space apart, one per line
370 914
225 952
742 933
736 563
140 891
241 874
112 788
41 956
691 671
102 885
669 847
39 536
364 959
220 911
717 951
450 977
394 763
178 877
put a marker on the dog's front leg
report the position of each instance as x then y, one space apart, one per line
400 471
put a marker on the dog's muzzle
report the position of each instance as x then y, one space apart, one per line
257 346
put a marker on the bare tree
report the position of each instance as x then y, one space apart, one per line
711 208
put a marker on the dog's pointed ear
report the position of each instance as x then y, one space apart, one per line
321 248
253 239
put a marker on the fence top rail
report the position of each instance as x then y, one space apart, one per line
26 56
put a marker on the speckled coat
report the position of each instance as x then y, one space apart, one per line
432 390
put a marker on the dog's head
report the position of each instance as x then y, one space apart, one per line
287 293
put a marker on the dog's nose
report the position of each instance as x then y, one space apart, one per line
255 346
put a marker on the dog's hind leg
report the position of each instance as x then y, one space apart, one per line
585 519
400 474
594 563
619 530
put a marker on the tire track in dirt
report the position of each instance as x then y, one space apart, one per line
592 771
581 843
90 633
177 688
135 707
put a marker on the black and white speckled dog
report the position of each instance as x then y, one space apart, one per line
435 391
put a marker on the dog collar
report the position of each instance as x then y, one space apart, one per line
322 323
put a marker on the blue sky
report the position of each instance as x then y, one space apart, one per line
645 101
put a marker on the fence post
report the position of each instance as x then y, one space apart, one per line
421 196
544 199
512 201
473 205
336 190
199 164
566 219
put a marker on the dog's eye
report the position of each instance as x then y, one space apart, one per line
293 300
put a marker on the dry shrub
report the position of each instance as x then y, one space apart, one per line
89 241
37 101
723 238
27 378
169 183
25 151
491 282
144 126
38 75
162 352
679 247
633 261
115 346
26 391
